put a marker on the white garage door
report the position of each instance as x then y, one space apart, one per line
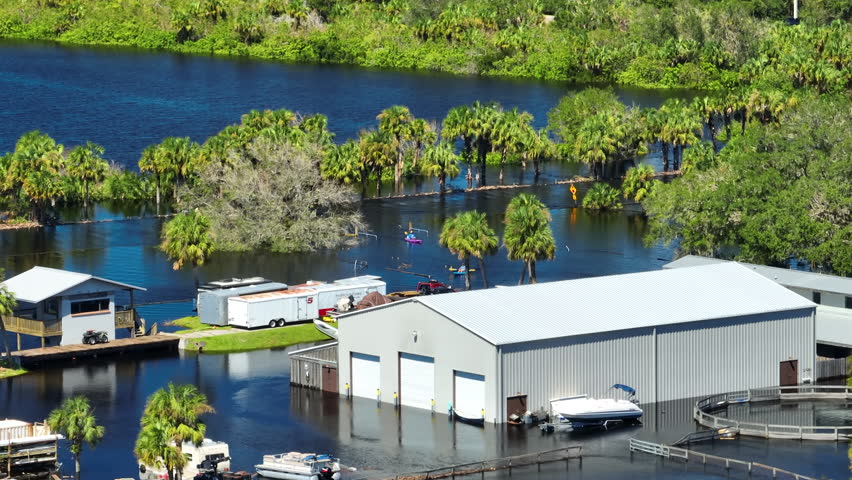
416 380
469 394
366 375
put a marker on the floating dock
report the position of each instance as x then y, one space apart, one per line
37 356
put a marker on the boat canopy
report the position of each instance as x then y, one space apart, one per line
626 388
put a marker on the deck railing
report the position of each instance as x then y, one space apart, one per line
126 318
27 326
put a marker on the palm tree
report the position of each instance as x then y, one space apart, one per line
421 133
396 122
8 303
76 421
376 153
441 161
594 143
528 236
708 109
85 164
638 182
343 163
467 234
457 124
483 124
187 240
152 162
602 197
180 156
508 131
170 419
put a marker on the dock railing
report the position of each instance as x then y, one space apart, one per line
729 464
506 463
704 410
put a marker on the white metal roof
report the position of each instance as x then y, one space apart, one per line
618 302
785 276
40 283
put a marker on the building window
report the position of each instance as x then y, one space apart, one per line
86 307
51 307
848 302
817 297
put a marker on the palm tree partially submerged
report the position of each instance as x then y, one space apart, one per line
76 421
468 235
528 236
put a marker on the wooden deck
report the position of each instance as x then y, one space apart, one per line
37 356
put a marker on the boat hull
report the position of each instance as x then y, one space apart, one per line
416 241
477 421
280 474
326 328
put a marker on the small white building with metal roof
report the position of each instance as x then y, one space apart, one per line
670 334
832 293
59 303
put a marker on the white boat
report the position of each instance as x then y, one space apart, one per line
581 410
208 450
326 328
299 466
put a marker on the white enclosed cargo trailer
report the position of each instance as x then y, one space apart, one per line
273 309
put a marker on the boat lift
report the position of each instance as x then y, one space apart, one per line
411 228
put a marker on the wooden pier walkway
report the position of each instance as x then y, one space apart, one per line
36 356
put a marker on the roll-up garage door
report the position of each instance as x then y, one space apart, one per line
416 380
469 394
366 375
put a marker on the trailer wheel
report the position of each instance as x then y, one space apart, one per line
281 322
272 323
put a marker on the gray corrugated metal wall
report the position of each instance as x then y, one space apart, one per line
589 364
695 359
733 354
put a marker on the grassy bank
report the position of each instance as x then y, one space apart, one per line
663 43
242 341
191 324
11 372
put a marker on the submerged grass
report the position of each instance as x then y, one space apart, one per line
242 341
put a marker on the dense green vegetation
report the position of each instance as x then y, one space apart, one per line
654 43
777 192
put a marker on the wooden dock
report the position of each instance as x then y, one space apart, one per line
37 356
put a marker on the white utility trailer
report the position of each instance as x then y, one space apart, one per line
273 309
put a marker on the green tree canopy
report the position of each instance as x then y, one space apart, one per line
527 236
467 234
776 192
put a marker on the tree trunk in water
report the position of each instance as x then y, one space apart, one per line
482 269
86 197
536 169
467 273
727 120
532 271
523 274
502 165
712 128
743 121
397 173
76 467
5 340
379 184
442 182
665 157
158 194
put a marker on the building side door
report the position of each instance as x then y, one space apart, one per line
329 379
789 375
516 405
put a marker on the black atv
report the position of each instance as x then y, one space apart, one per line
92 337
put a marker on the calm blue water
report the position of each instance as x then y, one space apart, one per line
126 99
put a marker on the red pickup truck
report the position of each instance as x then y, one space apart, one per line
433 287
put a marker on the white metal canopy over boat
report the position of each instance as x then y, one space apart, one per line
299 466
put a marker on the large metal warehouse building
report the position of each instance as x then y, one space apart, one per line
671 334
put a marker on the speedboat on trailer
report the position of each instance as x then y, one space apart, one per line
299 466
584 411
